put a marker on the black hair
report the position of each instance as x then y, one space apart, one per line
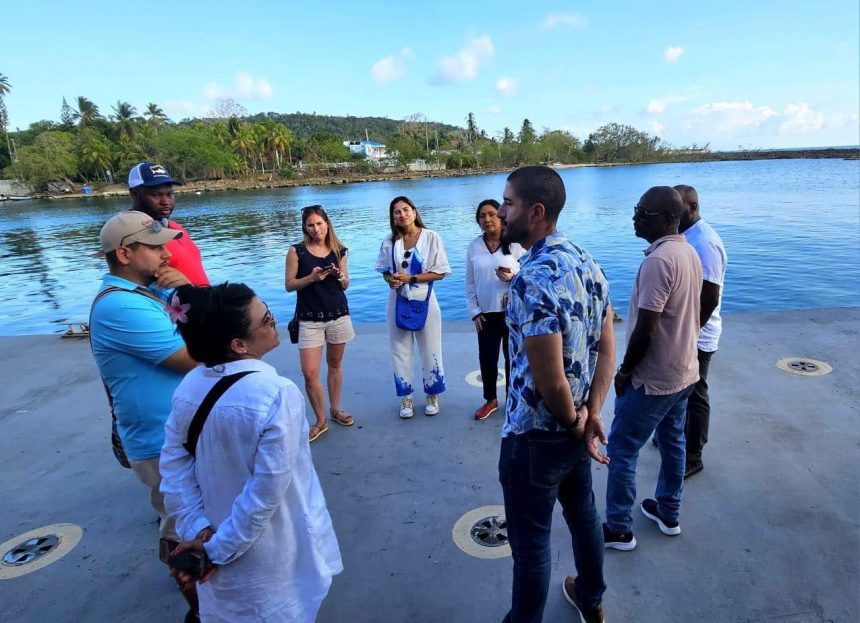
505 245
396 234
537 184
217 315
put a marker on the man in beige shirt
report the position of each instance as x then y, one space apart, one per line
659 369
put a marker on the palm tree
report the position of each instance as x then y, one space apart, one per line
5 87
244 142
124 116
154 114
281 139
87 112
96 151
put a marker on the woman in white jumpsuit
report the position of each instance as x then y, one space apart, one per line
248 496
411 258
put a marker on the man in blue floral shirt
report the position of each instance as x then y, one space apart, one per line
562 349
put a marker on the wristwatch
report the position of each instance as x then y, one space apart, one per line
413 279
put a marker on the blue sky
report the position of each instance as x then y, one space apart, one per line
729 73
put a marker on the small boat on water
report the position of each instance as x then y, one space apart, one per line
14 198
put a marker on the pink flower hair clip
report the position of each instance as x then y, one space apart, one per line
177 310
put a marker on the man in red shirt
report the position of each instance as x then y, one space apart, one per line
151 190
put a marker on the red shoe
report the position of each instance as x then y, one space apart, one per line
487 410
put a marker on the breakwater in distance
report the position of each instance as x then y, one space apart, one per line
791 229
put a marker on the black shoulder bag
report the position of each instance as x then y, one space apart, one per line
196 426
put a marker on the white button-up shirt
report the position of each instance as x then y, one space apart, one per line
485 292
254 483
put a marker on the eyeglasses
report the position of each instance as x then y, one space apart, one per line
638 211
405 263
269 319
154 227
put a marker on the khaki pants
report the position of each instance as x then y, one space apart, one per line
147 472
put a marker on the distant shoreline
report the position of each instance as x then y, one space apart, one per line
261 182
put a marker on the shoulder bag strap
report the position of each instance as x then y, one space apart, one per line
196 426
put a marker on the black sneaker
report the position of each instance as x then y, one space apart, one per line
693 468
568 587
649 509
624 541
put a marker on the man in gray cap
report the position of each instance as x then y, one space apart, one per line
140 356
151 188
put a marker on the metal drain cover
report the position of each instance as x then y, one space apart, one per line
483 532
490 531
37 548
474 378
804 366
30 550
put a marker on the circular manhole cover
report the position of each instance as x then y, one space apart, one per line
474 378
490 531
31 549
804 366
37 548
482 532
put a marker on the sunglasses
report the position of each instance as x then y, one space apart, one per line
268 319
154 227
405 263
314 208
639 211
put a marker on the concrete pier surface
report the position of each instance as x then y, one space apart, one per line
770 527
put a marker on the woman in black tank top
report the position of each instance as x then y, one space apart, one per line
316 270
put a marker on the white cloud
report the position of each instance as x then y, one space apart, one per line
387 70
572 20
464 65
492 110
245 86
657 128
507 86
406 52
673 54
726 118
656 107
800 119
184 109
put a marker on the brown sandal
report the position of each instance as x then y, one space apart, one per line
341 417
320 430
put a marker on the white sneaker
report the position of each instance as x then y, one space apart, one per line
431 405
406 408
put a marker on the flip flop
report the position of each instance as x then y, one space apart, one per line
342 417
320 431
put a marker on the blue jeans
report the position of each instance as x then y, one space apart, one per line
637 415
535 469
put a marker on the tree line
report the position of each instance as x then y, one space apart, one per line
89 146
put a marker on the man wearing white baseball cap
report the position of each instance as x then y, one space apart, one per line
140 356
151 188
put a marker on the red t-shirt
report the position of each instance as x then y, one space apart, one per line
186 256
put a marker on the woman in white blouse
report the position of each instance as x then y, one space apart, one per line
246 493
490 266
410 258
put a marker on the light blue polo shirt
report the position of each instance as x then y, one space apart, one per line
131 336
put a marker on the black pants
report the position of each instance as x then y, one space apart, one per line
698 412
494 334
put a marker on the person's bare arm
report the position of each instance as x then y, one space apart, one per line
709 300
544 354
180 361
293 283
603 373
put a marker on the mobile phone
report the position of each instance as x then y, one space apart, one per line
504 269
190 562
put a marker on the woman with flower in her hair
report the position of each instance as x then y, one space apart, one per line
243 488
410 260
316 270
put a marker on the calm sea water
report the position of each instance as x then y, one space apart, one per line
791 229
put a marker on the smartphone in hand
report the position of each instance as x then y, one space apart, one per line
190 562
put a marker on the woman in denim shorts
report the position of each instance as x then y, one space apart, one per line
316 270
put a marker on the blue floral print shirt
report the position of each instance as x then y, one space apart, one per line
559 289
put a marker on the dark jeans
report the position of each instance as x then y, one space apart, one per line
493 335
637 415
698 412
535 469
